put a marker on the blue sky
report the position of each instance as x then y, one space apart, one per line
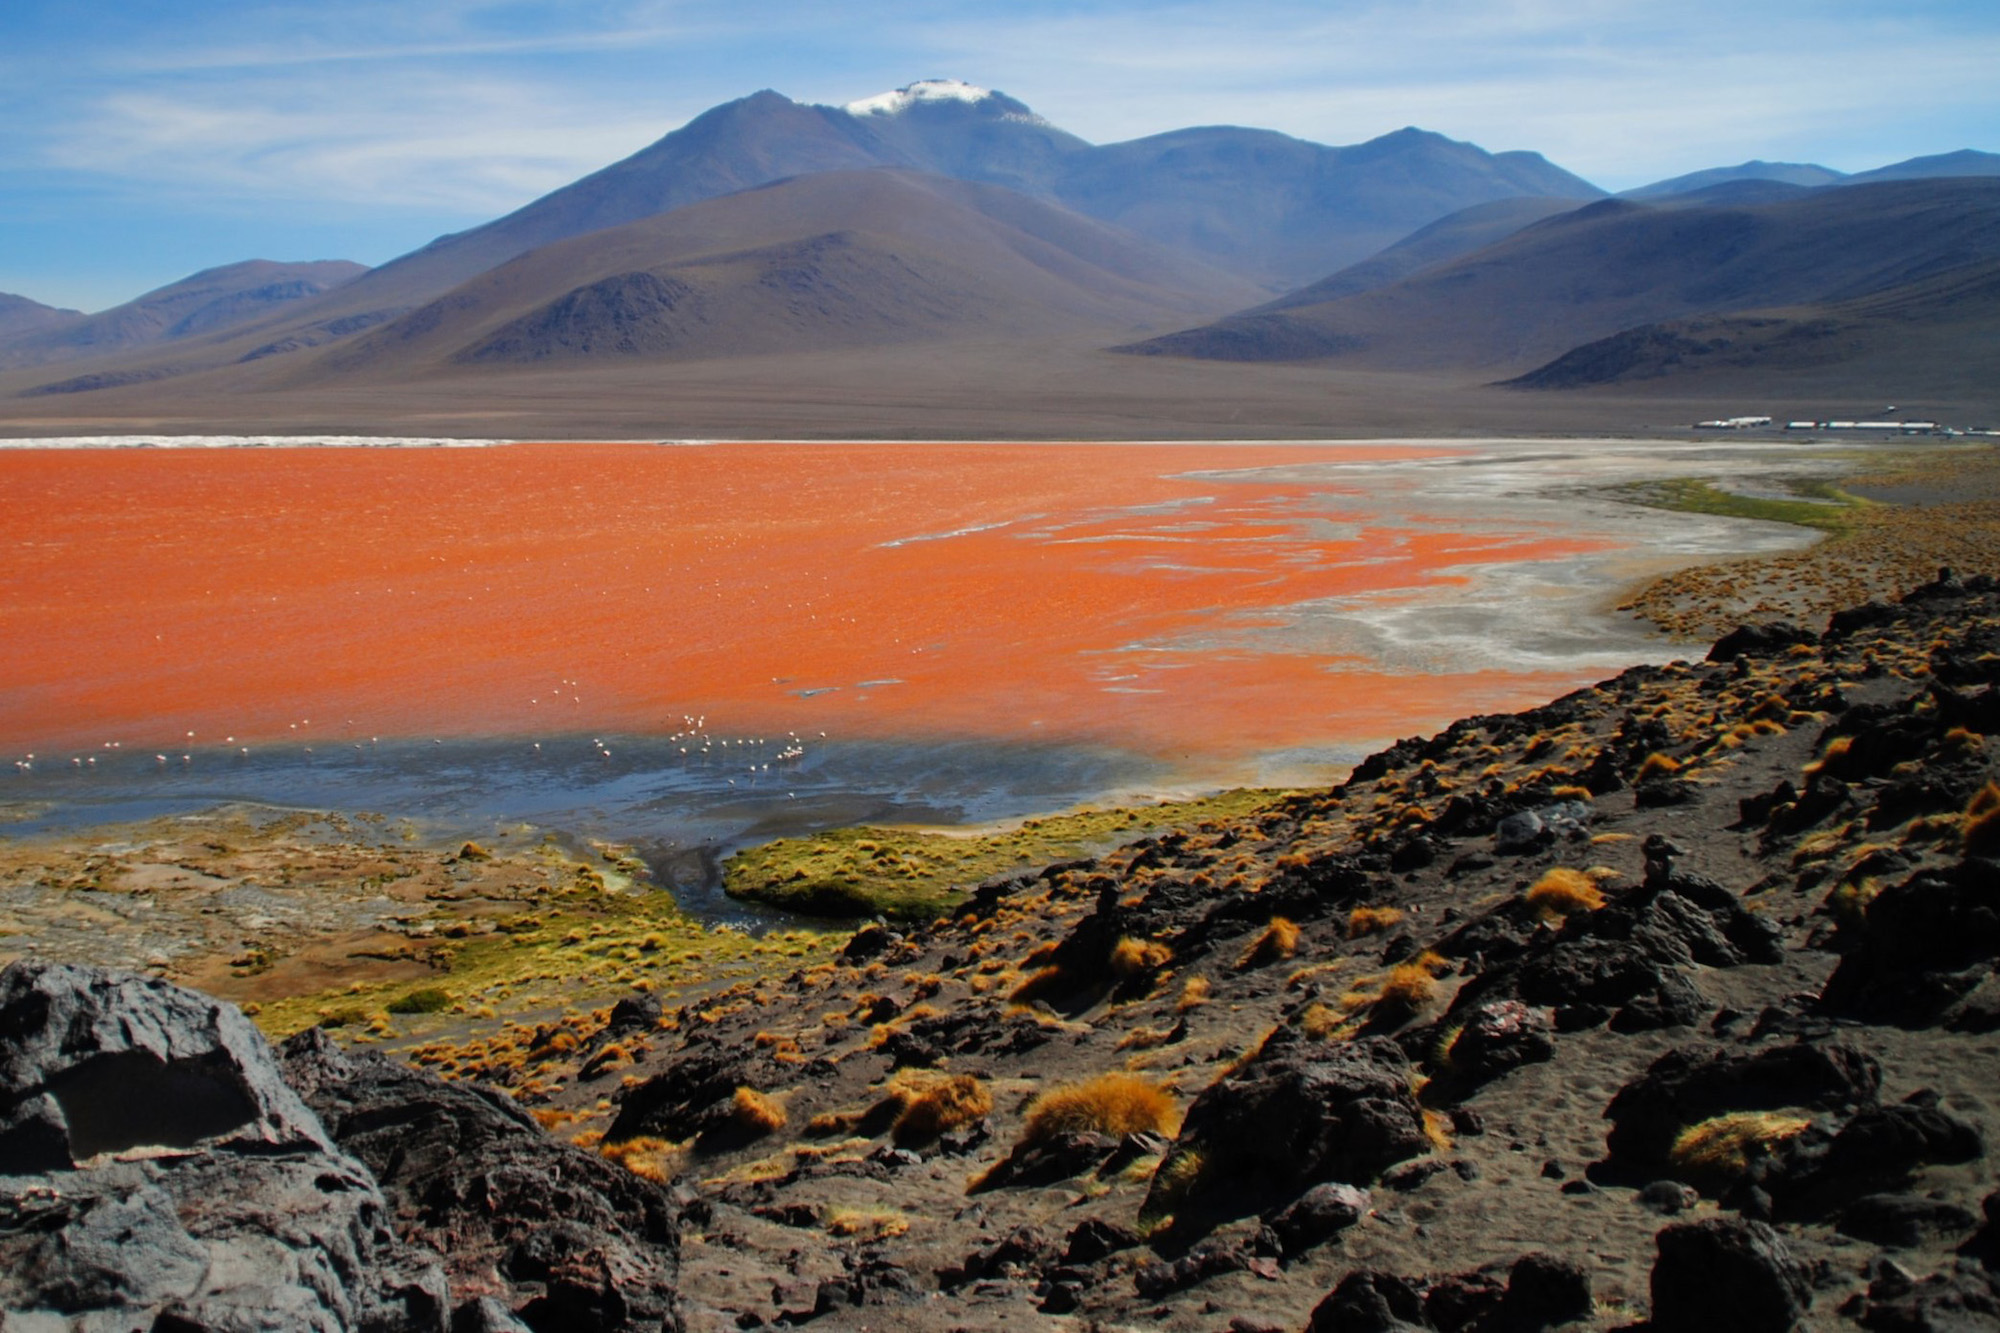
141 140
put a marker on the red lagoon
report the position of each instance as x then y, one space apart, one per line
1063 593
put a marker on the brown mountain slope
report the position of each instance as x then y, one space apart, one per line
20 315
211 301
1460 233
824 261
1613 265
1249 201
1917 339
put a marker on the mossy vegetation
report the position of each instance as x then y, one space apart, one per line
584 943
1816 504
915 874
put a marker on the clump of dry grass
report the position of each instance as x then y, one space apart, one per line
1835 751
657 1160
1115 1104
1144 1038
1371 920
1131 958
1982 822
867 1223
1044 981
1408 986
1561 891
936 1104
757 1111
1279 939
1177 1176
1194 994
1720 1149
1320 1020
1657 765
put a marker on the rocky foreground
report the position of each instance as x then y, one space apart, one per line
1670 1004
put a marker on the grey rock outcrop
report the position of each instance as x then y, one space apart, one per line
156 1171
561 1236
161 1169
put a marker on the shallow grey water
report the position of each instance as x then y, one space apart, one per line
683 812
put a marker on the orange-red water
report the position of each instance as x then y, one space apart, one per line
544 589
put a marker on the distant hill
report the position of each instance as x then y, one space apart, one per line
1789 173
830 260
212 301
1926 337
18 314
1460 233
1964 162
1284 210
1616 264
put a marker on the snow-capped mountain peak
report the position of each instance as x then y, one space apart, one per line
924 90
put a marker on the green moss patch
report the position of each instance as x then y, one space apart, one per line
1820 504
916 874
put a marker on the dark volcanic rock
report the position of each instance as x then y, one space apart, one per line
103 1062
1725 1273
1950 1302
159 1173
1628 961
1922 947
1688 1085
1320 1213
694 1097
1368 1302
1763 640
1299 1112
1544 1289
1045 1162
571 1239
1498 1038
1904 1220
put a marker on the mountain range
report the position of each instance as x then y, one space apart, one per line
1592 272
943 215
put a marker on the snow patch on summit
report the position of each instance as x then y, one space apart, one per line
925 90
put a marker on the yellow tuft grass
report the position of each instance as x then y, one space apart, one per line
1194 994
1835 751
1371 920
867 1223
1040 983
1280 939
1131 958
1982 822
657 1160
1408 986
1722 1148
1114 1104
1561 891
1320 1020
757 1111
936 1104
1658 765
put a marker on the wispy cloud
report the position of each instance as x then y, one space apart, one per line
462 144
